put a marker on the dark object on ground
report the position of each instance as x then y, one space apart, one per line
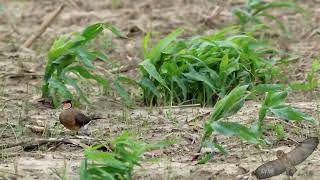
286 162
74 119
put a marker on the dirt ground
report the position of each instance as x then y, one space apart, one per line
21 73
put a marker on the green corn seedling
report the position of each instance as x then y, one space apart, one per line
118 164
255 12
203 69
71 55
229 105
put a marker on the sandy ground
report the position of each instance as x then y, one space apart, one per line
21 78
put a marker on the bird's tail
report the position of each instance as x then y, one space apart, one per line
96 116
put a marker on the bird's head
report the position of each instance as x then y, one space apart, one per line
67 104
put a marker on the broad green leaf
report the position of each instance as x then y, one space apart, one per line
86 74
156 51
53 83
73 83
230 104
103 175
152 71
54 97
243 16
86 57
59 42
146 83
289 113
268 87
277 98
48 72
193 75
235 129
92 31
101 56
224 64
181 85
66 48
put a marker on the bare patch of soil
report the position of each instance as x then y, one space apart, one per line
21 74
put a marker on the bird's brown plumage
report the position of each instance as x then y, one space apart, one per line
286 162
73 119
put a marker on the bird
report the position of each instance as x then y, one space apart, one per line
286 162
73 119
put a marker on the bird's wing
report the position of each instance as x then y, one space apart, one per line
303 150
81 119
269 169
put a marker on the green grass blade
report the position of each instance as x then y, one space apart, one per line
288 113
114 30
92 31
86 74
156 51
235 129
152 71
146 40
146 83
60 86
73 83
271 5
277 20
122 92
230 104
86 57
268 87
181 85
193 75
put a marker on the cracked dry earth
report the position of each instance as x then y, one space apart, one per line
21 76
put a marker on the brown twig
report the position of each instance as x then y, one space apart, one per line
32 144
15 75
14 174
199 116
36 129
123 69
47 20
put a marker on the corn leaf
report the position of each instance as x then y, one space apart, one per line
156 51
73 83
152 71
289 113
235 129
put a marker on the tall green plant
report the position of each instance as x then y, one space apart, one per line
312 80
118 164
234 101
202 69
253 13
71 55
274 103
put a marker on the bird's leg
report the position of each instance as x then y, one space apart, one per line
84 131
